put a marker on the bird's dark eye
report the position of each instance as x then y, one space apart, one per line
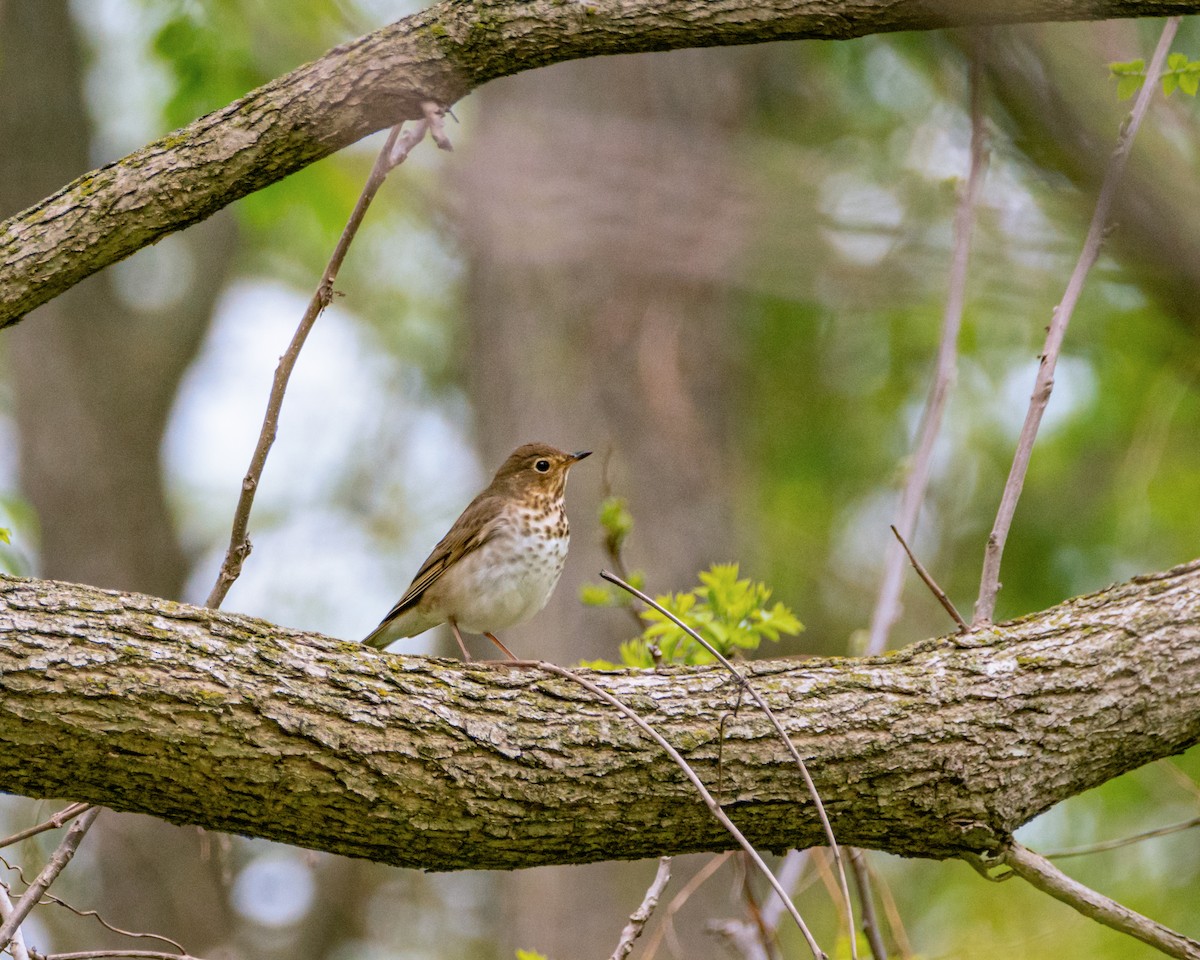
542 466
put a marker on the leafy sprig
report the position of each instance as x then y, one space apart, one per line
1182 73
731 613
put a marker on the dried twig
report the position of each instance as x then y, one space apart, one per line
749 688
637 919
932 585
395 151
63 817
54 866
989 584
866 901
1045 876
1123 841
887 606
709 801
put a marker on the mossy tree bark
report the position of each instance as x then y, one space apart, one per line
234 724
439 54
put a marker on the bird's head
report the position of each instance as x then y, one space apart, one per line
536 469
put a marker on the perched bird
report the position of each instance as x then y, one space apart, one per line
500 561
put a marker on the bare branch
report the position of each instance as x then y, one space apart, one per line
1123 841
1044 875
762 704
103 954
54 866
637 919
989 585
932 584
440 53
395 151
17 945
866 899
64 816
887 606
250 728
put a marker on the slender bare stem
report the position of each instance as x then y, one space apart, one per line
989 584
754 694
1045 876
64 816
887 605
678 901
932 584
395 151
637 919
1123 841
705 795
54 866
866 902
17 947
102 954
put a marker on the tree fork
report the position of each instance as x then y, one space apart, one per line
234 724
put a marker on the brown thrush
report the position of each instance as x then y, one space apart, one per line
500 561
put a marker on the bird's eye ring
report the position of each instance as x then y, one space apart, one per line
542 466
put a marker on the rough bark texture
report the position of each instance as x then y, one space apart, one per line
229 722
440 54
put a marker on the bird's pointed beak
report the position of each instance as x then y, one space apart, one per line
580 455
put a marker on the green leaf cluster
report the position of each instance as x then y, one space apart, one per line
731 613
1182 73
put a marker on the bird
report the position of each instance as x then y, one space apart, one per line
500 561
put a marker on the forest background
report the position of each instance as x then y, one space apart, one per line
723 270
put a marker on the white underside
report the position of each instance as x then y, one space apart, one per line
488 593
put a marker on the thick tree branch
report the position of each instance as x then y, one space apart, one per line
378 80
942 748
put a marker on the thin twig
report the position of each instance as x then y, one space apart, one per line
100 954
54 866
895 922
17 946
675 755
989 584
637 919
887 606
63 817
1123 842
698 880
932 585
749 688
866 902
395 151
1045 876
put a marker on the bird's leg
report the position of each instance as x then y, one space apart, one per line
496 641
461 646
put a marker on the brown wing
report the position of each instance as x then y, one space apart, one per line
476 526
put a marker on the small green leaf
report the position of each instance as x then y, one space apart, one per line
5 535
1127 86
1177 61
1127 68
1170 83
1189 83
